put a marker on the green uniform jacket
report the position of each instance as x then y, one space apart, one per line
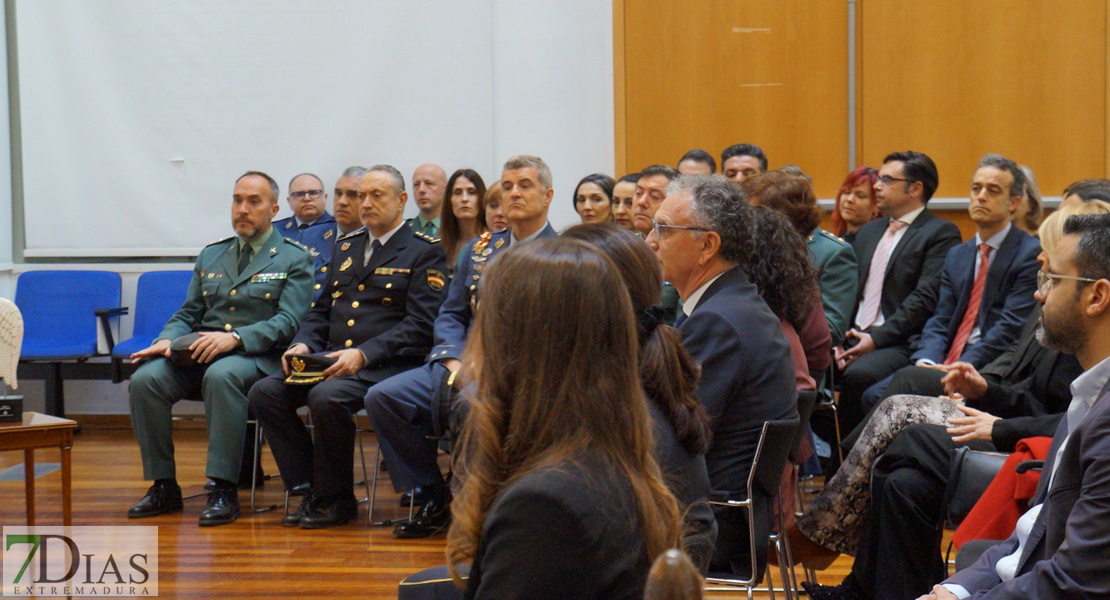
264 304
838 278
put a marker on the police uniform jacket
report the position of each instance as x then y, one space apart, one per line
318 239
457 312
264 304
386 309
838 278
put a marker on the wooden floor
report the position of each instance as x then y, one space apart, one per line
253 557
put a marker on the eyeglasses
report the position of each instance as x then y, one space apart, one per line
659 227
310 194
1044 280
886 180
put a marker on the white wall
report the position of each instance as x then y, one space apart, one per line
137 115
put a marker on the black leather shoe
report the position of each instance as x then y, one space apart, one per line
847 590
294 518
222 508
160 499
418 497
433 518
333 513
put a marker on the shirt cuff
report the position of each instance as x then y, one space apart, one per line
924 362
957 589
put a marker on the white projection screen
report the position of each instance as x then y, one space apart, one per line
138 115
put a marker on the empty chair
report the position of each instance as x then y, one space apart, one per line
61 313
158 296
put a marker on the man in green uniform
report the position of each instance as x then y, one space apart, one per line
246 299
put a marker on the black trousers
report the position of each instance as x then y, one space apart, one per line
329 463
899 554
868 370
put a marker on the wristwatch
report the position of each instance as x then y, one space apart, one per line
237 336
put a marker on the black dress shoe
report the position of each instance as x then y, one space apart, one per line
417 497
160 499
330 513
222 508
294 518
433 518
847 590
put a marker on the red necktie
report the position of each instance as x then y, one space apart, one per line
971 315
873 291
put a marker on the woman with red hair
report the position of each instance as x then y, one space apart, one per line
855 203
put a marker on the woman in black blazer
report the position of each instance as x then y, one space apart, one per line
669 376
561 495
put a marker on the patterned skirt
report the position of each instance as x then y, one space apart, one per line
835 518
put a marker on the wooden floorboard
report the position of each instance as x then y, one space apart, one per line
252 558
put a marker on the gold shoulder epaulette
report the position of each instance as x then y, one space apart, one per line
425 237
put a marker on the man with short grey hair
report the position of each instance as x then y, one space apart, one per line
699 233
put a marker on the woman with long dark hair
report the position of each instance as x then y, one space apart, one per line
561 495
593 198
464 215
669 376
837 272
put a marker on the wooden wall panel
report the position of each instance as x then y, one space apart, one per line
957 79
712 73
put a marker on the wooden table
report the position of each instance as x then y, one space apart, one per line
41 431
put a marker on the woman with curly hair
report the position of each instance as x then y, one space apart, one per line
835 260
855 203
561 495
669 376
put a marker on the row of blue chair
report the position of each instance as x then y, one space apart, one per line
63 312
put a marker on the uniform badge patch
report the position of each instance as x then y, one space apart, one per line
346 264
436 280
499 243
328 234
345 246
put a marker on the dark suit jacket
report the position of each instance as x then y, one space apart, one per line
912 281
747 374
688 480
1065 555
385 309
457 311
1007 299
567 531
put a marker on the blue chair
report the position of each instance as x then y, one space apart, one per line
62 311
158 296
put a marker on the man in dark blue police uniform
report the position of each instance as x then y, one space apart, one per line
400 407
384 288
310 225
